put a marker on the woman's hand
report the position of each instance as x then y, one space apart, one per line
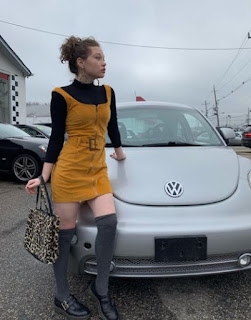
118 157
32 185
118 154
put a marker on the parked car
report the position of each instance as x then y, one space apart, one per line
246 137
48 124
36 130
236 141
20 154
183 203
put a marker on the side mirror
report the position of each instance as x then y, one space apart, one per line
226 133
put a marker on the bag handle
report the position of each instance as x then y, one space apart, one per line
43 196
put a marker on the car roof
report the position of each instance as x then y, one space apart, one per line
32 125
135 104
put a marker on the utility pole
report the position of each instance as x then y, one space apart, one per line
206 108
229 121
216 108
248 119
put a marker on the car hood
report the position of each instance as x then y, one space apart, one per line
207 175
29 139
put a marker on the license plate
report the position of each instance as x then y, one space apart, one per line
180 249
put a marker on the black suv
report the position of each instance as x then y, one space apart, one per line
246 137
20 154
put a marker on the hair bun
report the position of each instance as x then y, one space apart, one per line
75 47
68 48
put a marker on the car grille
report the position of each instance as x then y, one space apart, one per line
147 267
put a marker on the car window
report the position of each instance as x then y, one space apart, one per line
30 131
9 131
45 129
159 125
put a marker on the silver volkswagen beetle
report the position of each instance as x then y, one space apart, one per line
183 198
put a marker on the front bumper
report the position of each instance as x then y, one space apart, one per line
226 224
147 267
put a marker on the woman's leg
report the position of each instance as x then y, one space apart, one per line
105 217
67 213
65 303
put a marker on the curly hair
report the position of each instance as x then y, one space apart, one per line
75 47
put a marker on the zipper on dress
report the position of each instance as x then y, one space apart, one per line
93 182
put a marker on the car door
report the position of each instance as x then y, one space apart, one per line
8 149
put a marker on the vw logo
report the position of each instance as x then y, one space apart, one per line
174 189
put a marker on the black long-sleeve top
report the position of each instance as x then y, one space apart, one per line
84 93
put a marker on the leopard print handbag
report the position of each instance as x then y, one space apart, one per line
42 228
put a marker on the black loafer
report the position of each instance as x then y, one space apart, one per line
106 307
72 309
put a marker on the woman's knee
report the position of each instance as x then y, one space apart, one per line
65 224
102 205
67 214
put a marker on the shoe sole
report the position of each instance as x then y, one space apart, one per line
68 316
103 317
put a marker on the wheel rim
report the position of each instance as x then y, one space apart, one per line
24 168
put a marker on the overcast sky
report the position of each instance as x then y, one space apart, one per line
185 76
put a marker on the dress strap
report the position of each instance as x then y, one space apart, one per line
63 93
60 91
108 91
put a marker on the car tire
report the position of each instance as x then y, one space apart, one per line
24 167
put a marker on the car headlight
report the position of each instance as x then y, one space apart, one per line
249 178
43 147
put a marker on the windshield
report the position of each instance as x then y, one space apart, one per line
9 131
165 126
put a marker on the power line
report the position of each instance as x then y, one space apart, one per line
128 44
232 62
239 50
232 91
235 75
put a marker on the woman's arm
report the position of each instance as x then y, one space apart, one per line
34 183
113 131
58 117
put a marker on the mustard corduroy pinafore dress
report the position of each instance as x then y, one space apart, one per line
80 172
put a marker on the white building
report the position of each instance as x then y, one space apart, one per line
12 85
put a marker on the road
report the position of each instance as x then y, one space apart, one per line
27 286
243 151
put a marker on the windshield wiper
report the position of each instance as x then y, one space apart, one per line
171 144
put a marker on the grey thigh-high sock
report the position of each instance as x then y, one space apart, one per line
60 266
104 247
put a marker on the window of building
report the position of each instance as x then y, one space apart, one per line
4 98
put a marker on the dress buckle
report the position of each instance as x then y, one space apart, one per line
92 144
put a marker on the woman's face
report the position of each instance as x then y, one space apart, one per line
94 65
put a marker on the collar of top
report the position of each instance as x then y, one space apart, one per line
82 85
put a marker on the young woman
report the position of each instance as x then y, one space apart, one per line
78 169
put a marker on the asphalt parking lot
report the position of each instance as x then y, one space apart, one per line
243 151
27 286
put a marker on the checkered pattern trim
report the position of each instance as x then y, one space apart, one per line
15 99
